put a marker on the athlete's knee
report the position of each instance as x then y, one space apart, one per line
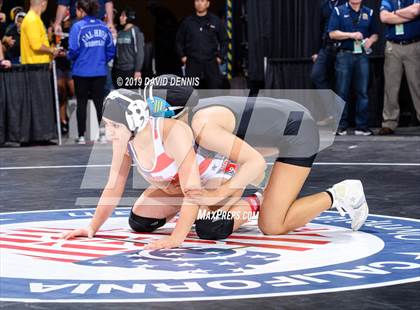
144 224
214 229
273 229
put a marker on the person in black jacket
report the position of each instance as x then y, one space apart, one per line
201 43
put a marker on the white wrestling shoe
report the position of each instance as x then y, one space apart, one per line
349 198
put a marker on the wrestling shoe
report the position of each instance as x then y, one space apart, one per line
348 197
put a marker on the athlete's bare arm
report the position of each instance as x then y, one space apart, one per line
178 144
213 134
111 195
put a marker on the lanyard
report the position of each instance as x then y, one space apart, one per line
332 5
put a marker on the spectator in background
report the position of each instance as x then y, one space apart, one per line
402 53
324 60
65 81
355 27
108 84
201 43
90 49
105 12
34 45
2 20
129 58
322 74
12 38
5 64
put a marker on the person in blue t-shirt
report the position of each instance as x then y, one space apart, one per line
355 27
402 53
91 47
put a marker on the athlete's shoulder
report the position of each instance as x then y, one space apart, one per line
175 127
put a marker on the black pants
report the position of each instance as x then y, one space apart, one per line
207 71
85 88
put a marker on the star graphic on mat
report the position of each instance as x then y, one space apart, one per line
186 265
257 256
199 271
226 263
212 253
103 262
146 266
237 270
133 255
173 254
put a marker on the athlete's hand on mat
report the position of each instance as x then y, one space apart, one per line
80 232
164 243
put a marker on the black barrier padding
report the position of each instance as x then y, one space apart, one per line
2 110
28 104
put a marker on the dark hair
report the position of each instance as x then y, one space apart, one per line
166 87
90 7
130 13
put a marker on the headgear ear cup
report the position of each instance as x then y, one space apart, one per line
137 115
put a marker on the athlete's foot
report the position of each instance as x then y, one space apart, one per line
348 197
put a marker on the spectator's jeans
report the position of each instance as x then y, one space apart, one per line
354 68
323 69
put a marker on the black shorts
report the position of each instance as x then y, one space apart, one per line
292 142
